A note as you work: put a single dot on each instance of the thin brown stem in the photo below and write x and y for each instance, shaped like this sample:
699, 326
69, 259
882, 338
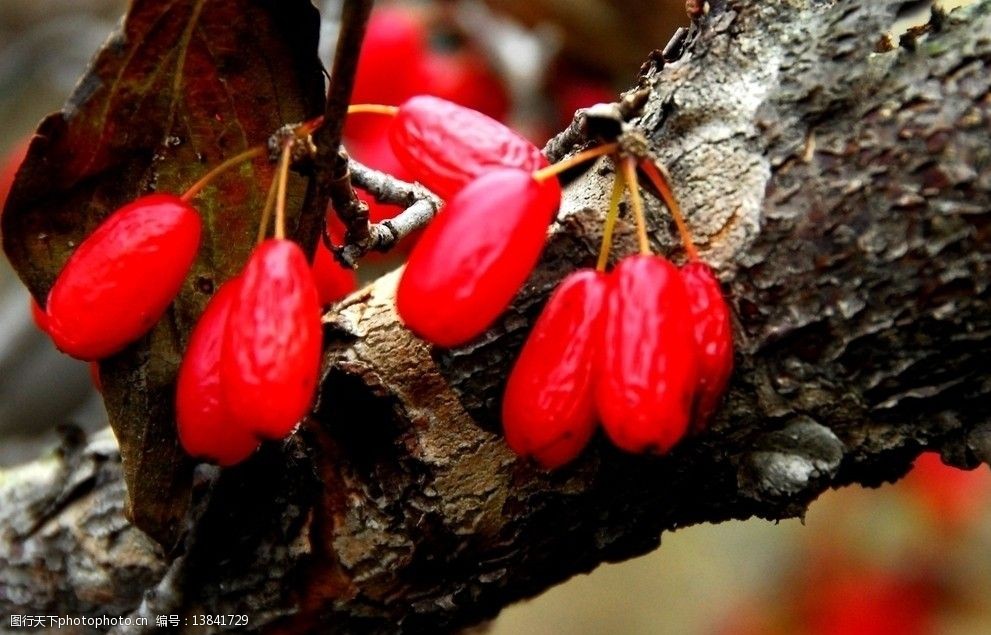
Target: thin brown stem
280, 197
629, 165
235, 160
618, 185
331, 178
658, 176
372, 109
577, 159
267, 210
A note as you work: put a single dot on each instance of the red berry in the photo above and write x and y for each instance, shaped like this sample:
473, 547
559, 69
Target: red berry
952, 497
573, 87
648, 368
866, 601
271, 350
713, 335
333, 280
473, 258
123, 277
8, 170
465, 78
389, 65
205, 426
445, 146
548, 411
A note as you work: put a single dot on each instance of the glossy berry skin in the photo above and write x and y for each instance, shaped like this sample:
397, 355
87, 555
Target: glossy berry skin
271, 350
473, 258
122, 277
394, 47
446, 146
464, 77
648, 368
334, 281
206, 429
713, 336
548, 409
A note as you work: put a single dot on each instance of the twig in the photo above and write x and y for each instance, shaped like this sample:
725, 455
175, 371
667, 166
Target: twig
387, 189
331, 163
562, 143
420, 203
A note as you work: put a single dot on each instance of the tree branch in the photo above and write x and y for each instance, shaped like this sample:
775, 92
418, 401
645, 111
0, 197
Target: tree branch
421, 205
845, 198
331, 179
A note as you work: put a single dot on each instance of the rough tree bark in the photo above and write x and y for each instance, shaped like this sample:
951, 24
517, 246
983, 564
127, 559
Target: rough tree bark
845, 196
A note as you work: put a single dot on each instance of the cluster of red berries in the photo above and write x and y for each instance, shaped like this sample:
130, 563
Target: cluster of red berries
646, 350
474, 256
251, 367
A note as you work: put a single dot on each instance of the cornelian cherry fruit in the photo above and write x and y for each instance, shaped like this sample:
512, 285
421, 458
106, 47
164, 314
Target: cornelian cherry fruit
648, 368
446, 146
270, 359
464, 77
9, 166
333, 280
713, 336
206, 428
395, 43
473, 258
548, 410
123, 276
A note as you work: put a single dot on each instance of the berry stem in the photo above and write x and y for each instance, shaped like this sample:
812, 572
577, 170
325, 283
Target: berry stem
280, 197
618, 185
659, 177
572, 161
308, 127
629, 165
267, 210
372, 109
247, 155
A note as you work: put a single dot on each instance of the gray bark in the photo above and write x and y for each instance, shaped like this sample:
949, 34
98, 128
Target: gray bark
845, 197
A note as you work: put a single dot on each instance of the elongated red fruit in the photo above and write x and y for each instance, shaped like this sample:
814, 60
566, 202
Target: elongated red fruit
333, 280
271, 351
713, 336
206, 428
123, 276
446, 146
648, 368
473, 258
548, 410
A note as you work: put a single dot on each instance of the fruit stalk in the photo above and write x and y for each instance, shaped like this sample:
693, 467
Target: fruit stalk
659, 178
618, 185
629, 167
